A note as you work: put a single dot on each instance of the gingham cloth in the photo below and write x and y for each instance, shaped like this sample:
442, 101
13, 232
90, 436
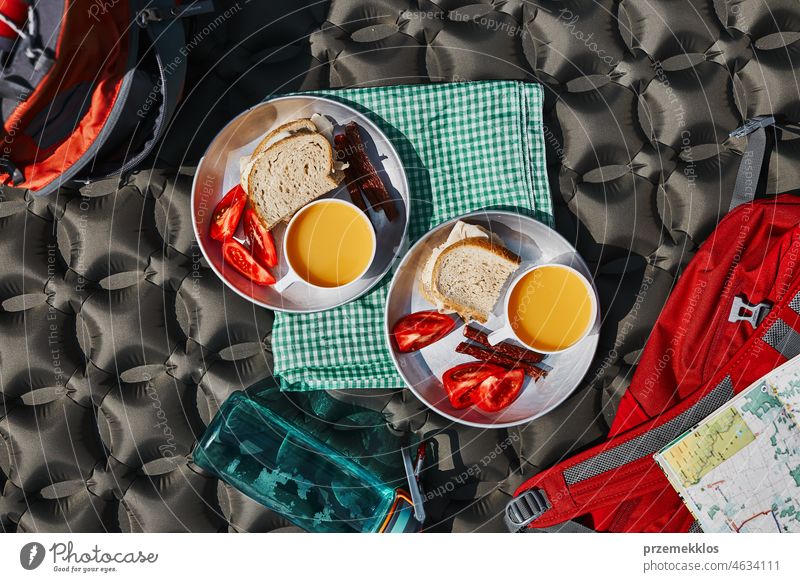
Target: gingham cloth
465, 147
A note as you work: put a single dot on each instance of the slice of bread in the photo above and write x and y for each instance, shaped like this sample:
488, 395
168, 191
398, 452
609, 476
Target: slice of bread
469, 275
460, 231
286, 129
290, 173
281, 132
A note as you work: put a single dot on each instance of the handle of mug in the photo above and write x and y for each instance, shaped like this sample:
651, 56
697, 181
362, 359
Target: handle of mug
284, 282
502, 334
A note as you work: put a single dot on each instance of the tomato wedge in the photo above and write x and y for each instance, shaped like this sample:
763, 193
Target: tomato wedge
262, 246
498, 391
227, 214
462, 381
238, 257
417, 330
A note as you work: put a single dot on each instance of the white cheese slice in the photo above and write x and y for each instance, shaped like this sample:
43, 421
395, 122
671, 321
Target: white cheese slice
324, 126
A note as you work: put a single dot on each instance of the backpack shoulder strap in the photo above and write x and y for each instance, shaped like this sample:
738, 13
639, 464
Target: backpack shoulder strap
161, 20
753, 157
159, 17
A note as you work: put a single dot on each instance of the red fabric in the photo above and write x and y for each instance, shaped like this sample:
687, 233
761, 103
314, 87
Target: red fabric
89, 49
17, 12
754, 253
685, 350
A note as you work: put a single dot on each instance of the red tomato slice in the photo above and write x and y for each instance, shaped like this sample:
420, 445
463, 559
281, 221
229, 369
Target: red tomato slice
498, 391
240, 259
417, 330
262, 246
462, 381
227, 214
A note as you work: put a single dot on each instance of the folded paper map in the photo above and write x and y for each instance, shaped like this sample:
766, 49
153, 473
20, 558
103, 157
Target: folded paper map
739, 469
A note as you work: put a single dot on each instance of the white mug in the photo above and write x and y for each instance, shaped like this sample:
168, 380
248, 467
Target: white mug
507, 332
291, 277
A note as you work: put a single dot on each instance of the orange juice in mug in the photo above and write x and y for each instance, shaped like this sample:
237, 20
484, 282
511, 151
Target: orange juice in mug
548, 308
328, 243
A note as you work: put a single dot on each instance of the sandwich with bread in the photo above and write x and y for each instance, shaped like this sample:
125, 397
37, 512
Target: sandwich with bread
466, 273
292, 166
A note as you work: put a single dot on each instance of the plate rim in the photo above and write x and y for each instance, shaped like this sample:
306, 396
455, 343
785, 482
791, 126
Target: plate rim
387, 329
403, 239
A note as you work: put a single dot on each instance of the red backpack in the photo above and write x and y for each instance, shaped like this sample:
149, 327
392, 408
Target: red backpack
87, 86
733, 317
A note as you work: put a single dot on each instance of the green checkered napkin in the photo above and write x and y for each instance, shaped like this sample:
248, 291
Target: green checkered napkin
465, 147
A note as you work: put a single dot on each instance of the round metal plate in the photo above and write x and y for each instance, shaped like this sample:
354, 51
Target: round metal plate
218, 172
536, 244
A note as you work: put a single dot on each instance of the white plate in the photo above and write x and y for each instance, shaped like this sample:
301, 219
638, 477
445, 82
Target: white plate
422, 371
218, 172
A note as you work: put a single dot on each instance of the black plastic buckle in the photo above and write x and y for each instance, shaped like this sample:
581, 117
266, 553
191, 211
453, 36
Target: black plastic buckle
155, 14
15, 175
523, 510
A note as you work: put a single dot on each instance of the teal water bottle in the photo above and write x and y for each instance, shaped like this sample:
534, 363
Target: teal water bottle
289, 470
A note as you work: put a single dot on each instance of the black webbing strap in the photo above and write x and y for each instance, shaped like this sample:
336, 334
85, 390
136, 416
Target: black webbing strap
14, 89
753, 157
566, 527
